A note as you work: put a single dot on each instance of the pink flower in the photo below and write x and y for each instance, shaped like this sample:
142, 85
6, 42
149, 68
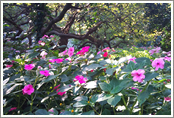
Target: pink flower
167, 58
49, 66
8, 66
156, 50
12, 61
56, 87
138, 75
60, 93
158, 63
83, 50
13, 108
28, 89
42, 43
135, 88
45, 36
98, 52
81, 79
29, 66
39, 67
51, 36
43, 53
105, 49
51, 110
105, 54
45, 72
39, 42
52, 60
71, 51
92, 70
59, 60
167, 99
132, 59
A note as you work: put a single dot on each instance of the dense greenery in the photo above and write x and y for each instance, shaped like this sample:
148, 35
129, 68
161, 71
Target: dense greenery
86, 59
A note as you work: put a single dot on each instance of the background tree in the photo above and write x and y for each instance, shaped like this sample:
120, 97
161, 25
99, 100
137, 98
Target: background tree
95, 24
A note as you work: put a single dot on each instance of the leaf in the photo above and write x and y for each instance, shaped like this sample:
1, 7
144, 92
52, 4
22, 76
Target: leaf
65, 113
55, 112
114, 100
33, 55
116, 89
80, 103
91, 84
11, 89
100, 97
103, 62
130, 67
80, 98
64, 78
41, 112
143, 96
106, 112
104, 86
110, 71
146, 61
88, 113
51, 77
91, 67
150, 76
114, 82
66, 88
62, 46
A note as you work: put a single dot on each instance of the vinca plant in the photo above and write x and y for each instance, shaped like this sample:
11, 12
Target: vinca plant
43, 81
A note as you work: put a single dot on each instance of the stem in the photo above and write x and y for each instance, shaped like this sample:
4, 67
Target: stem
124, 102
31, 102
142, 109
133, 106
95, 110
114, 111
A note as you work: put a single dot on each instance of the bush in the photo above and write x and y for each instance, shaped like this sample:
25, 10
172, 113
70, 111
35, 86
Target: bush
112, 82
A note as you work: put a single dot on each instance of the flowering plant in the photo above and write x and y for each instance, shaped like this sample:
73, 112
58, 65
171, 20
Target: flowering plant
83, 82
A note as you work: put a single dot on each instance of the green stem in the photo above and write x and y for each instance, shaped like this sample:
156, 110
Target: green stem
95, 110
133, 106
114, 110
142, 109
124, 102
31, 104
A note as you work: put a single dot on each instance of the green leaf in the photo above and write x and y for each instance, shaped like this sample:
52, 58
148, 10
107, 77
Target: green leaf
55, 112
33, 55
80, 98
51, 77
106, 112
88, 113
143, 96
64, 78
66, 88
91, 84
110, 71
130, 67
150, 76
41, 112
62, 46
80, 103
100, 97
116, 89
91, 67
104, 86
114, 82
146, 61
65, 113
114, 100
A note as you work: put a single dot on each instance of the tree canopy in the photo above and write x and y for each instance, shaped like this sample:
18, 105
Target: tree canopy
94, 24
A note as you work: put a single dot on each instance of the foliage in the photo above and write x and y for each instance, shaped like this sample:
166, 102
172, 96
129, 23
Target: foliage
109, 89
